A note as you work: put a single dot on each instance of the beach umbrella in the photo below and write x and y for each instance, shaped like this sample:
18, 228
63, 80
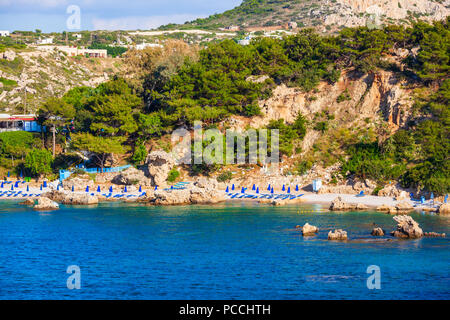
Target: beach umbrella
268, 188
289, 189
140, 188
45, 184
9, 174
2, 185
156, 188
87, 188
73, 189
228, 189
432, 196
446, 198
242, 190
296, 188
422, 199
254, 187
28, 188
21, 174
125, 189
12, 187
232, 187
40, 187
98, 189
16, 185
257, 190
271, 190
111, 189
57, 188
284, 188
171, 187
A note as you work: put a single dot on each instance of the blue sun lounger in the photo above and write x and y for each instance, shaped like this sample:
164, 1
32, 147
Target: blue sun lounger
361, 194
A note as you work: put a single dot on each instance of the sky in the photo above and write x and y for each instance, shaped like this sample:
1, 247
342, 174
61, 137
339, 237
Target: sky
52, 16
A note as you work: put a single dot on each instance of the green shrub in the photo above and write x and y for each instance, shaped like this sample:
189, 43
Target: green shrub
173, 175
225, 176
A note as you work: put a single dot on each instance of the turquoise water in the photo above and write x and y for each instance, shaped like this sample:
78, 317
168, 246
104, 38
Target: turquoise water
221, 252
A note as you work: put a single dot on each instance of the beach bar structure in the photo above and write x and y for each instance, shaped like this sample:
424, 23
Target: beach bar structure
27, 122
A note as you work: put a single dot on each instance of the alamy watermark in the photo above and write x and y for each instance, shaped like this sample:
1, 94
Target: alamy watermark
74, 280
374, 280
214, 147
73, 22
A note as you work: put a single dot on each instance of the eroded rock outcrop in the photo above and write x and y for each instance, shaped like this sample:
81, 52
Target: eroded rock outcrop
132, 176
70, 198
79, 183
159, 163
44, 203
337, 234
407, 228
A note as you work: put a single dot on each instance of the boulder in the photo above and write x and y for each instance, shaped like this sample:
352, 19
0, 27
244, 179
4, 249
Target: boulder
132, 176
377, 232
402, 196
338, 234
407, 228
338, 205
159, 163
193, 195
404, 207
28, 202
444, 209
45, 204
309, 230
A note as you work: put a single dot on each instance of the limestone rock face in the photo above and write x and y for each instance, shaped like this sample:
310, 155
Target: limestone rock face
80, 199
70, 198
28, 202
309, 230
377, 232
338, 234
206, 194
407, 228
404, 207
385, 208
45, 204
132, 176
159, 163
79, 183
444, 209
9, 55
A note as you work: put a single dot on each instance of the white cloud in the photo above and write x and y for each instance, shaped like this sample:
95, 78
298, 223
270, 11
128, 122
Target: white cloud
143, 23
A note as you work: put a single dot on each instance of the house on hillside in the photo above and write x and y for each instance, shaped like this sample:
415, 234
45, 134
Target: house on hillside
4, 33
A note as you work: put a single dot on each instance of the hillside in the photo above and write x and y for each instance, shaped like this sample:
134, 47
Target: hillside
326, 15
30, 76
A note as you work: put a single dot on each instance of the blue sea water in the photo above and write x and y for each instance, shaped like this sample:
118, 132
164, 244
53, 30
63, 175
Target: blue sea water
130, 251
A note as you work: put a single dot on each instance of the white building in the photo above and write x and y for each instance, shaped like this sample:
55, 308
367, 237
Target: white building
143, 45
4, 33
20, 122
45, 41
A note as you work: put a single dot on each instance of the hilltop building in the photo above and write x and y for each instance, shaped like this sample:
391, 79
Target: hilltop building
4, 33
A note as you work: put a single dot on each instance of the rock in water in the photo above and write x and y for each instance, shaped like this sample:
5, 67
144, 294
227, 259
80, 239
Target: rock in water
377, 232
434, 235
444, 209
159, 163
28, 202
45, 204
338, 234
339, 204
407, 228
309, 230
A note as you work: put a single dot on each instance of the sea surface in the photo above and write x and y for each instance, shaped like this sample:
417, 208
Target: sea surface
229, 251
